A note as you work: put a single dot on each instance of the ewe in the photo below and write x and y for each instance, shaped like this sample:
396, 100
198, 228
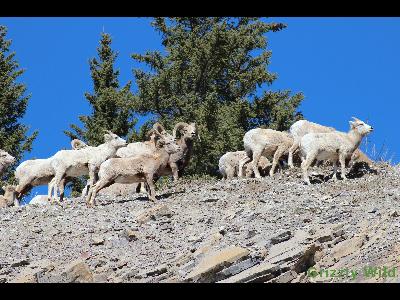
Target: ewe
332, 146
264, 142
6, 160
87, 160
35, 172
139, 168
301, 128
229, 164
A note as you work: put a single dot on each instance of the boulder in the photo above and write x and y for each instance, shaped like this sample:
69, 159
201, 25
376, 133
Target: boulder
212, 263
77, 271
259, 273
155, 212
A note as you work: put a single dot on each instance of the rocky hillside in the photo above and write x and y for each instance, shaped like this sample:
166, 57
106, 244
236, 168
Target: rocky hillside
252, 230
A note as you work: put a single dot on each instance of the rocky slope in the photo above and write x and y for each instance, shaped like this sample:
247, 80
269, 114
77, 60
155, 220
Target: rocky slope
252, 230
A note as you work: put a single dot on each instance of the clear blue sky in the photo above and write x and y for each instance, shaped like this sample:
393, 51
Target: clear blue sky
344, 66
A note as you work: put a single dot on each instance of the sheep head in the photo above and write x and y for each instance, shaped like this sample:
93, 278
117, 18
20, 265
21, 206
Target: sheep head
158, 127
186, 130
5, 160
360, 126
114, 140
165, 141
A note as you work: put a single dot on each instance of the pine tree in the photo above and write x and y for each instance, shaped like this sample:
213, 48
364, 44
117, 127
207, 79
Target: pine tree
13, 104
111, 105
214, 72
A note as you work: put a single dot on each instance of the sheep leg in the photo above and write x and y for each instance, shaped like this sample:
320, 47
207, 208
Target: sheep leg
342, 160
99, 185
242, 162
62, 188
92, 177
230, 172
256, 158
50, 189
277, 155
335, 167
306, 164
58, 178
291, 151
152, 190
248, 170
175, 169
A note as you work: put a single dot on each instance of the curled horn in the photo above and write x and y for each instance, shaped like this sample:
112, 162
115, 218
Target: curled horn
151, 131
158, 127
177, 127
197, 132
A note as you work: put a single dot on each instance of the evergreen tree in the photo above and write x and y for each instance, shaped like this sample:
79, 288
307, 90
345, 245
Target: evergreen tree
111, 109
213, 73
111, 105
13, 103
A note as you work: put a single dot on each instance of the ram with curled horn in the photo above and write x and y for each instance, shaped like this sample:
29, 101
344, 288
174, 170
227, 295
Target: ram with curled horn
158, 127
178, 127
179, 160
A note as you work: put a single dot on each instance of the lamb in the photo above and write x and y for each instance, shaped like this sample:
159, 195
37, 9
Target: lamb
332, 146
264, 142
301, 128
140, 168
229, 164
75, 163
6, 160
8, 199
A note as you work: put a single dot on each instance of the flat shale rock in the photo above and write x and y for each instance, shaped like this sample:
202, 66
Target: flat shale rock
272, 229
215, 262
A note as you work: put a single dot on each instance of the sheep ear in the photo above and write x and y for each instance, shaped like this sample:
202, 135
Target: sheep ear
3, 187
351, 124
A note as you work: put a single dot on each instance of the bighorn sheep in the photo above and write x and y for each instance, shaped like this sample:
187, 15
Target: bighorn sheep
178, 160
229, 164
301, 128
264, 142
135, 148
332, 146
5, 161
35, 172
87, 160
139, 168
8, 199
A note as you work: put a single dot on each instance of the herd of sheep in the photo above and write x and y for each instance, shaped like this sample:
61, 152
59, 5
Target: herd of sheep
164, 154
